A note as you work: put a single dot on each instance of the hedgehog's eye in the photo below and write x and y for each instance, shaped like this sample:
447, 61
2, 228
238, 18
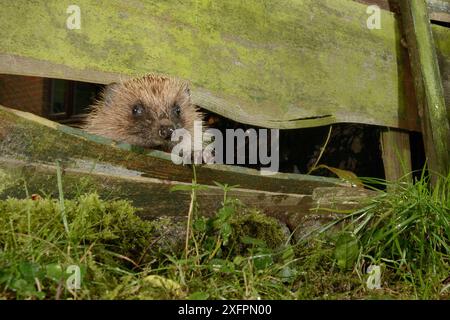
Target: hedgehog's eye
137, 110
176, 109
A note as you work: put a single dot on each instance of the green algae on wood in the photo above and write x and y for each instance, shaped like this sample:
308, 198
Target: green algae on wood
430, 93
442, 40
280, 64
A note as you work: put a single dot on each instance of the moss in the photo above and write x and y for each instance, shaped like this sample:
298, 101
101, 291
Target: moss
259, 226
442, 39
112, 224
146, 288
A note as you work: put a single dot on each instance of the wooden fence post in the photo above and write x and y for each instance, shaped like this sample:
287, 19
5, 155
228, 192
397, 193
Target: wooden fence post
428, 84
396, 155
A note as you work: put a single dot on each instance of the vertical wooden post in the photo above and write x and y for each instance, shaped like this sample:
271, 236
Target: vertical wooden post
396, 154
428, 84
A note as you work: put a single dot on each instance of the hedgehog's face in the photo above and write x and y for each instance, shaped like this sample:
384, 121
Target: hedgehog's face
152, 126
146, 111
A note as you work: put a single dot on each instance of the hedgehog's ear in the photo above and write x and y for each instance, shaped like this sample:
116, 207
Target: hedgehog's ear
109, 92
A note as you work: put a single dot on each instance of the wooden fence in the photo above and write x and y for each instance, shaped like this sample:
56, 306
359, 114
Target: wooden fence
277, 64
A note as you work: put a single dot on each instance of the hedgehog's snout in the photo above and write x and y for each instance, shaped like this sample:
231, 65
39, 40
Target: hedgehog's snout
165, 131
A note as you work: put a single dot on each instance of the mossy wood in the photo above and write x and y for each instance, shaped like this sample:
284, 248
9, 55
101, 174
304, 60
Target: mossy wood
31, 147
441, 37
433, 112
283, 64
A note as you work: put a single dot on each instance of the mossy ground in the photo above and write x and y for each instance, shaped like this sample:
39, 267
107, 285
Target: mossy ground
238, 253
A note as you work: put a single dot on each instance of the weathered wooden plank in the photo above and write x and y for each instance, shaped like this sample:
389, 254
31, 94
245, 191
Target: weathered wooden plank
283, 64
442, 40
154, 198
430, 94
31, 151
383, 4
439, 10
24, 136
396, 154
152, 195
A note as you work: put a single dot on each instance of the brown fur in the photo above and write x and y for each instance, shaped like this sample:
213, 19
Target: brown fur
112, 116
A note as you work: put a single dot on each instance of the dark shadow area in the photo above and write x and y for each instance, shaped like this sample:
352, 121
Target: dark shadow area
352, 147
441, 23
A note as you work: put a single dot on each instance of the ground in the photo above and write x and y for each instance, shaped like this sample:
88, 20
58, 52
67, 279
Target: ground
238, 253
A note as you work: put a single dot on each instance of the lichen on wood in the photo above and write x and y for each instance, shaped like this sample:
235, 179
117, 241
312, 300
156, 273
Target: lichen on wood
435, 120
277, 64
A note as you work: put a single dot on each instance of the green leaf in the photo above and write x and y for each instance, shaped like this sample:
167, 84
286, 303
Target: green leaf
225, 186
343, 174
347, 250
224, 215
54, 272
220, 185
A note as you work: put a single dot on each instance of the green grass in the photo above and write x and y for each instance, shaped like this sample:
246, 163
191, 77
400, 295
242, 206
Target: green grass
407, 231
237, 253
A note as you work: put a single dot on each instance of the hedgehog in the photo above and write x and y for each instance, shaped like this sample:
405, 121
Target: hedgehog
144, 111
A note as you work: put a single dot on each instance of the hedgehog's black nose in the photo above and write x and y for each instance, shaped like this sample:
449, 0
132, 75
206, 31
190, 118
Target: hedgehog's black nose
165, 132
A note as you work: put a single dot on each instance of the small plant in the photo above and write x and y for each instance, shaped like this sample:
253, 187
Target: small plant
240, 248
